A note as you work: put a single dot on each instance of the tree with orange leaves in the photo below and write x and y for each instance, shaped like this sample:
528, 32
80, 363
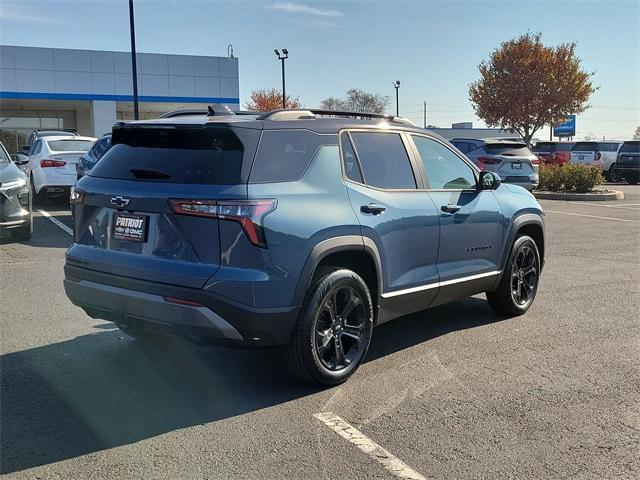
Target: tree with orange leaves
268, 99
526, 85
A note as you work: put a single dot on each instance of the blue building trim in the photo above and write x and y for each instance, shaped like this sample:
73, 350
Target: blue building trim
116, 98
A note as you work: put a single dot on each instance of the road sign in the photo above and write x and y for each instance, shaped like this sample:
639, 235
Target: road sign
566, 127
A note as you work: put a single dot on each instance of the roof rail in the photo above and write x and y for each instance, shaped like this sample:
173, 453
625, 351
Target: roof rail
210, 111
308, 113
183, 113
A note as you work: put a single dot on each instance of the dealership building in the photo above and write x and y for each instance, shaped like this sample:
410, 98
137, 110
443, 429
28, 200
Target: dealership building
89, 90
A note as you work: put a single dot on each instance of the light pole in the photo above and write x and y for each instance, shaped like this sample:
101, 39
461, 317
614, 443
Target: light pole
396, 85
134, 69
282, 58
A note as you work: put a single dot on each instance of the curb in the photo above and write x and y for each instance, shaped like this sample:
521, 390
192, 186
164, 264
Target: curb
598, 196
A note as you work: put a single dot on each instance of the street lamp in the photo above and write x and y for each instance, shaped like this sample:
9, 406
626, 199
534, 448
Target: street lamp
282, 58
134, 69
396, 85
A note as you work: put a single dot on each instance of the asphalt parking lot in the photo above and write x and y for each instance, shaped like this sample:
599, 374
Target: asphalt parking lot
453, 392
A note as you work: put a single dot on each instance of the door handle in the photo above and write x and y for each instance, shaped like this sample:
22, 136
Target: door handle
372, 208
450, 208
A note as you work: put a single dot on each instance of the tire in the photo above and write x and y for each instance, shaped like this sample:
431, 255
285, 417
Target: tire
519, 283
334, 330
611, 175
35, 196
24, 232
632, 179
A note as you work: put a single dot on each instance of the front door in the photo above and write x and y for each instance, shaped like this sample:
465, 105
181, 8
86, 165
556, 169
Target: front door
471, 222
401, 220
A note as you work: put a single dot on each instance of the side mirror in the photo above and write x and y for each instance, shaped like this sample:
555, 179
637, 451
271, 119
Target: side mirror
20, 159
489, 181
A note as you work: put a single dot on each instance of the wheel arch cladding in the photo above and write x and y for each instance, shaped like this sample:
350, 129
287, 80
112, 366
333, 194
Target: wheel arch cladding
530, 224
351, 252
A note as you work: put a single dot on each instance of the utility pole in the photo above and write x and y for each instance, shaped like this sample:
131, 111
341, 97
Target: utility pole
396, 85
425, 114
282, 58
134, 69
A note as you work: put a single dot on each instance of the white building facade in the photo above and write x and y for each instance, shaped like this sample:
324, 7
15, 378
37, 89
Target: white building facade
88, 90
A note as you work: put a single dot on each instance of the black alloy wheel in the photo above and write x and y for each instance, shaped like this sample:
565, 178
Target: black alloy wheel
339, 328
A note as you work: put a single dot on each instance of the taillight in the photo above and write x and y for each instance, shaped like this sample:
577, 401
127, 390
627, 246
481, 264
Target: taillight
52, 163
248, 213
489, 161
535, 161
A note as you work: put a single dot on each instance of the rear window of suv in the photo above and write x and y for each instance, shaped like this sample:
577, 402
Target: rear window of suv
509, 149
192, 155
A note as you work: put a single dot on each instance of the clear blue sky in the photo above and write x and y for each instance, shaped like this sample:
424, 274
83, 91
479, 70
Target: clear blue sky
432, 47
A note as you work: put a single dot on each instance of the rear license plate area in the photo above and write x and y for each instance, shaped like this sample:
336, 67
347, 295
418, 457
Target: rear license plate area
130, 227
516, 166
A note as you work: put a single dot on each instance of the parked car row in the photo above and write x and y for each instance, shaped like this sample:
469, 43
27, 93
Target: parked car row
511, 159
617, 159
50, 159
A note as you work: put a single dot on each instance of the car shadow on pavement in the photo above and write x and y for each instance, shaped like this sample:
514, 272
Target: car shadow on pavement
422, 326
103, 390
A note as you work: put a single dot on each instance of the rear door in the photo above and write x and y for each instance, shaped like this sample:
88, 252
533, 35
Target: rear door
400, 219
128, 222
471, 221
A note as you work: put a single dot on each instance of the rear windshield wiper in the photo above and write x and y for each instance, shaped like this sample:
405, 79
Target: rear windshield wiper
148, 173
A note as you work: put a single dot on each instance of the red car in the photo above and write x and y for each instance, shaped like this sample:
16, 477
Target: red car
557, 153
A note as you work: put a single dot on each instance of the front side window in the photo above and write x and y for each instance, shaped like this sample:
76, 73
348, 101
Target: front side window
384, 160
444, 169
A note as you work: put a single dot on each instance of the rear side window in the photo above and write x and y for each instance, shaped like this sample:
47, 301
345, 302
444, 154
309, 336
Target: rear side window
608, 147
201, 155
384, 160
512, 150
284, 155
351, 167
564, 146
464, 147
585, 147
544, 147
630, 147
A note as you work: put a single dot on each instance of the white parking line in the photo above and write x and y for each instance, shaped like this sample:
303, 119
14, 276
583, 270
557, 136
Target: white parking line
592, 216
368, 446
56, 222
625, 206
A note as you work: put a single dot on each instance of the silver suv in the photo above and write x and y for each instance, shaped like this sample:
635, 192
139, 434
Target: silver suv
511, 159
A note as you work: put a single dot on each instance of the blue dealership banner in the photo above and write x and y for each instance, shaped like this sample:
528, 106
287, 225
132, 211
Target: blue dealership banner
566, 127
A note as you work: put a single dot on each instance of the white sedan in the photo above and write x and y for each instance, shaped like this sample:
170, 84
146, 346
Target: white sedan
53, 160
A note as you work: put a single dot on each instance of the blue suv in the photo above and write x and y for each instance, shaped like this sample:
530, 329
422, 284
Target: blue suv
297, 228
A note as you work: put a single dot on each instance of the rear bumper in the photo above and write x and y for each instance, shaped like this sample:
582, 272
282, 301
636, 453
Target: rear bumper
128, 301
